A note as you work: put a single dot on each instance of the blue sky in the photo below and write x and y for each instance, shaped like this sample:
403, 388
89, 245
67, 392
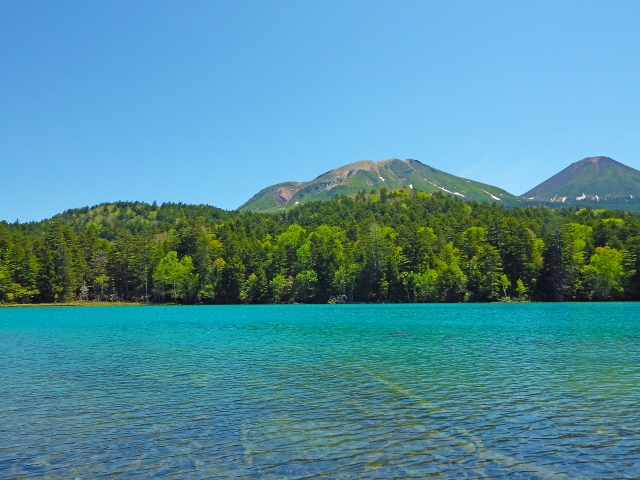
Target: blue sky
208, 102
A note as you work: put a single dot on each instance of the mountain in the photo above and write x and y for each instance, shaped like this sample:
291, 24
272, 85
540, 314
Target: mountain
593, 179
367, 175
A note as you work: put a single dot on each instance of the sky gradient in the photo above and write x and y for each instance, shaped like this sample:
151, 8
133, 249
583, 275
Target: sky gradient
208, 102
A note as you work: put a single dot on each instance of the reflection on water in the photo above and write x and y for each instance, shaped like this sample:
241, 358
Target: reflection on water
352, 391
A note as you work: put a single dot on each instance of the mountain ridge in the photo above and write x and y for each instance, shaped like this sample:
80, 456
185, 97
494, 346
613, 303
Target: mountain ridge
366, 175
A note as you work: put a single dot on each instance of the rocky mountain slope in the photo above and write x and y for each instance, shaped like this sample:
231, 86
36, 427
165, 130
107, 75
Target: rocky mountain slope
368, 175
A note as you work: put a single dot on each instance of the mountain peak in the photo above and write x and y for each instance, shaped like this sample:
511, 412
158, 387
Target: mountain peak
367, 175
594, 159
592, 178
597, 161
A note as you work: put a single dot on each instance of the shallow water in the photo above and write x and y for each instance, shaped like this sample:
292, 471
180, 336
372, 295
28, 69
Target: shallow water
354, 391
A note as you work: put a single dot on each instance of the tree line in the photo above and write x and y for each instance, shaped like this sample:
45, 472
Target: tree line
400, 246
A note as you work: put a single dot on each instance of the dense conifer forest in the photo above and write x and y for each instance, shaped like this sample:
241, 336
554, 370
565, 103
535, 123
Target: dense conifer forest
377, 247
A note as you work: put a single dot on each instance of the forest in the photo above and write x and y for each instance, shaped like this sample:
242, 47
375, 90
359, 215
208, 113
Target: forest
381, 246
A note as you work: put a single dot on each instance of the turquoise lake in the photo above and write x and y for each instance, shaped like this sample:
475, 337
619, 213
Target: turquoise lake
351, 391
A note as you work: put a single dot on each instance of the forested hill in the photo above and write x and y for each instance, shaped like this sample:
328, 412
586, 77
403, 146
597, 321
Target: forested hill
393, 247
109, 219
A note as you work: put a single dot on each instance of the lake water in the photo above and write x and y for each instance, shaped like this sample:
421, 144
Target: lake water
353, 391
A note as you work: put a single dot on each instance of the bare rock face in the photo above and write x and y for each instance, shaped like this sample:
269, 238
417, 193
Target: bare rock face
284, 195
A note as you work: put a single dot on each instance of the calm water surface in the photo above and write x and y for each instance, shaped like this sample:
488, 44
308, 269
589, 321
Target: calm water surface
358, 391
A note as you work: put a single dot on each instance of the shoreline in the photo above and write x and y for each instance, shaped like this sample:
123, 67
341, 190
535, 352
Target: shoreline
140, 304
75, 304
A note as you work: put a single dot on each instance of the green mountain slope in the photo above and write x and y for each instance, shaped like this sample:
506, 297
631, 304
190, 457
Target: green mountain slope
593, 179
367, 175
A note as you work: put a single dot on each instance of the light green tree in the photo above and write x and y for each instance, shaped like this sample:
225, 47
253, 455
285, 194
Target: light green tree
504, 283
212, 279
451, 280
280, 287
6, 285
289, 243
605, 273
254, 288
304, 285
176, 277
425, 286
344, 279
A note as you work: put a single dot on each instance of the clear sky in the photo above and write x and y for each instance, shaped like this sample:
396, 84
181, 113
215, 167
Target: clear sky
208, 102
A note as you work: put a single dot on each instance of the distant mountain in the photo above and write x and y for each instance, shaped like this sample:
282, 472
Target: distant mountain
367, 175
593, 179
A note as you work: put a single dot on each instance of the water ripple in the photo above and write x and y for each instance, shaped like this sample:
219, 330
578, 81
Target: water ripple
367, 391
